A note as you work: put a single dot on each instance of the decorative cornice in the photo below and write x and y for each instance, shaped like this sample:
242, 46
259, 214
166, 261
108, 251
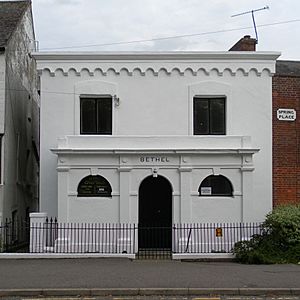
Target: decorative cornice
142, 56
153, 151
156, 63
93, 144
247, 169
63, 169
152, 71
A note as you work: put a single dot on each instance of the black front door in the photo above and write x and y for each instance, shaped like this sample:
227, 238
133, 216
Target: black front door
155, 213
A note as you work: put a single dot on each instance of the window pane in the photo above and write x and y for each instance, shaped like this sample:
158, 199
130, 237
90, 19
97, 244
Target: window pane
104, 116
218, 184
94, 186
201, 116
88, 116
217, 116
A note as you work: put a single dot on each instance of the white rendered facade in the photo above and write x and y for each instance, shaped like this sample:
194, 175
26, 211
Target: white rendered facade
152, 133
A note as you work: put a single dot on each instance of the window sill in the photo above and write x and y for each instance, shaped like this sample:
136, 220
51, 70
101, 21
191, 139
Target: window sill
216, 196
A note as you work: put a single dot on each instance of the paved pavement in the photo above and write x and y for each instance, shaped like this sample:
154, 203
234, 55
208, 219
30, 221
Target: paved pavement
159, 298
99, 277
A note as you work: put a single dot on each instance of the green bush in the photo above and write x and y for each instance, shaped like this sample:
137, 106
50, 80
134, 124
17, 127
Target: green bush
279, 241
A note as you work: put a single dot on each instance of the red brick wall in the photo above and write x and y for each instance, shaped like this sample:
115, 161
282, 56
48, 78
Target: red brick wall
286, 141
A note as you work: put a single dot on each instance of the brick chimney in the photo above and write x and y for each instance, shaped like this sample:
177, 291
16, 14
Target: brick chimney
244, 44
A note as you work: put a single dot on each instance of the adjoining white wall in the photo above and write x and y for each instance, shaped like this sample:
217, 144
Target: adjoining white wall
20, 122
156, 94
2, 121
2, 91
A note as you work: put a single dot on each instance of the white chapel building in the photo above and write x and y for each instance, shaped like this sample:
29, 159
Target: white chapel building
166, 137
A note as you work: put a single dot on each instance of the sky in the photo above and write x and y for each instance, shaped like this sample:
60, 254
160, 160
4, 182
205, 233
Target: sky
78, 24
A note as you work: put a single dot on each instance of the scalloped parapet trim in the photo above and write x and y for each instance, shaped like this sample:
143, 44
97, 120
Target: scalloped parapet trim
154, 71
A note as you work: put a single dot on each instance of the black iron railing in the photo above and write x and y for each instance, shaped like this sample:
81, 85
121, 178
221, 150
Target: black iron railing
211, 237
146, 241
54, 237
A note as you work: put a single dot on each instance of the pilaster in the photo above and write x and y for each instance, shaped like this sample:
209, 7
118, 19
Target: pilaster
185, 199
124, 206
247, 189
63, 201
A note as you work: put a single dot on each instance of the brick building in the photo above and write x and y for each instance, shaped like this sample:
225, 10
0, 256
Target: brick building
286, 134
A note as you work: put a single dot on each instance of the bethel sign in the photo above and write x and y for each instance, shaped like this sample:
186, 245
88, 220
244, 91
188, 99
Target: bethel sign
160, 159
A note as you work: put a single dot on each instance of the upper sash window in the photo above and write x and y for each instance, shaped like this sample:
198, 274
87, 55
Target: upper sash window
96, 115
209, 116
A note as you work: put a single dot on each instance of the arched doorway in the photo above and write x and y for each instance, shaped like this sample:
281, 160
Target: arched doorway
155, 213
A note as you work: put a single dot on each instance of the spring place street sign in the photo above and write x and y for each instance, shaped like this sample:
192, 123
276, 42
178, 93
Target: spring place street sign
286, 114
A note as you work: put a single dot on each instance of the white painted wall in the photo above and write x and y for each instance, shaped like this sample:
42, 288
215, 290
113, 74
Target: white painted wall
156, 93
189, 161
2, 118
2, 91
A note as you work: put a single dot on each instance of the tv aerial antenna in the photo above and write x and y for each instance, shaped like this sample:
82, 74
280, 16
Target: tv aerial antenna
253, 18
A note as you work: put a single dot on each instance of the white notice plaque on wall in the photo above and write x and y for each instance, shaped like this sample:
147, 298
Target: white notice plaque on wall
206, 190
286, 114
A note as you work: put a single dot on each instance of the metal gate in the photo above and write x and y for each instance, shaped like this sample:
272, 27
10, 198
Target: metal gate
155, 241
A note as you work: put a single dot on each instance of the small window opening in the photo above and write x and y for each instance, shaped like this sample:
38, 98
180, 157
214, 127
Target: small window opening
209, 116
94, 186
215, 185
96, 115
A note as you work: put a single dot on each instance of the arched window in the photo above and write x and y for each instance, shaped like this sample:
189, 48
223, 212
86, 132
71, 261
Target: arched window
215, 185
94, 186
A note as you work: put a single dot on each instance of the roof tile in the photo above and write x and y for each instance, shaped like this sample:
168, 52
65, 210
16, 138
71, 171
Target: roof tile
10, 14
